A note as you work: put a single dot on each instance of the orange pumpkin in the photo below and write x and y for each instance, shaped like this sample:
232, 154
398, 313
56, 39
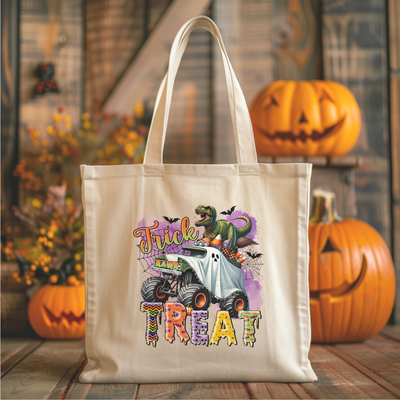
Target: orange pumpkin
305, 118
58, 311
352, 278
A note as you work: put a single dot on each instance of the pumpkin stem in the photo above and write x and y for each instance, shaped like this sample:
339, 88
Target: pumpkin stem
324, 207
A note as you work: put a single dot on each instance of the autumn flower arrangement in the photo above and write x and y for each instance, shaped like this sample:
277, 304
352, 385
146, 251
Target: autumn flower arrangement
45, 234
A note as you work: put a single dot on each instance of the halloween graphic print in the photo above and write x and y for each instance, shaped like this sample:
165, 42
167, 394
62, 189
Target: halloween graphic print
204, 273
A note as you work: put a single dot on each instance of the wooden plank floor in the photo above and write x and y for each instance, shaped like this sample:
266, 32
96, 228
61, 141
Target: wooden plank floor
47, 369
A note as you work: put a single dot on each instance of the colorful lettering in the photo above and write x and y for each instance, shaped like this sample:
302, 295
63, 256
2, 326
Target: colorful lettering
137, 233
250, 319
175, 314
198, 326
151, 310
188, 232
223, 329
167, 264
146, 245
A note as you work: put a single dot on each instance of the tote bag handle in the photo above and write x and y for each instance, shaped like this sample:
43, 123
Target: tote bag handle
244, 139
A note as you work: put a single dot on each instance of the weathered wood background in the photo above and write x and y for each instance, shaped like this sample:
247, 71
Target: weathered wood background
9, 101
50, 369
341, 40
394, 76
43, 27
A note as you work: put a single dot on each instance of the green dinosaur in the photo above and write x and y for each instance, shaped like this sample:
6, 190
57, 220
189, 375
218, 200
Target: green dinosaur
228, 231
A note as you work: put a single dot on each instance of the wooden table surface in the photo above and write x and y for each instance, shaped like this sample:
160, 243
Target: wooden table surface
48, 369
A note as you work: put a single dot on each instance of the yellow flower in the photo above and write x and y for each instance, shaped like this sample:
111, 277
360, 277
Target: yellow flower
54, 116
45, 269
133, 135
130, 122
50, 235
78, 267
33, 267
72, 280
44, 142
120, 140
85, 116
61, 133
139, 110
77, 257
50, 244
50, 129
69, 201
68, 126
53, 278
36, 133
130, 149
37, 204
53, 227
67, 118
50, 157
87, 125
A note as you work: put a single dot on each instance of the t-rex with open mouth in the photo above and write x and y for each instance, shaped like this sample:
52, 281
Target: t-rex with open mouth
228, 231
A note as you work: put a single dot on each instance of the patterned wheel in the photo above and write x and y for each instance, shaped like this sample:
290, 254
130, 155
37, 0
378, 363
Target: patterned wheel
234, 303
151, 290
195, 296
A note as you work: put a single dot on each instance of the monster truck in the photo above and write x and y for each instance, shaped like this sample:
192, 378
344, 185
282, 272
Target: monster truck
198, 276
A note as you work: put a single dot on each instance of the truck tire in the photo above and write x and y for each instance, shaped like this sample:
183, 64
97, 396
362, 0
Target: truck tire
150, 290
234, 303
195, 296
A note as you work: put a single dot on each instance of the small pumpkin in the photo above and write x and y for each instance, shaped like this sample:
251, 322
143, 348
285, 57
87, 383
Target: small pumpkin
58, 311
305, 118
352, 277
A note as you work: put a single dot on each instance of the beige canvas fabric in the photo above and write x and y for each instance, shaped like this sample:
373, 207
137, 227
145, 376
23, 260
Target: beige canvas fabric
132, 340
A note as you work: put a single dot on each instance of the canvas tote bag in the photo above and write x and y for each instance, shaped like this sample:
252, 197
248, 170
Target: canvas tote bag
197, 273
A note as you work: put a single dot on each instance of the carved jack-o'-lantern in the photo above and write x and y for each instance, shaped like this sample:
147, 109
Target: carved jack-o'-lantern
305, 118
352, 281
58, 312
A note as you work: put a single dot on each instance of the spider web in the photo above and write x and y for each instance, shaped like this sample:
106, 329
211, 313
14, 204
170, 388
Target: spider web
252, 269
147, 260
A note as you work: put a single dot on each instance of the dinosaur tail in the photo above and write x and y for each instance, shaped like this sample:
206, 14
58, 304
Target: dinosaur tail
244, 242
240, 232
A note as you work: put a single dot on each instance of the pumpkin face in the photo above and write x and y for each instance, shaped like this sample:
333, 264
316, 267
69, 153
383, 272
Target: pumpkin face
305, 118
58, 312
352, 280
